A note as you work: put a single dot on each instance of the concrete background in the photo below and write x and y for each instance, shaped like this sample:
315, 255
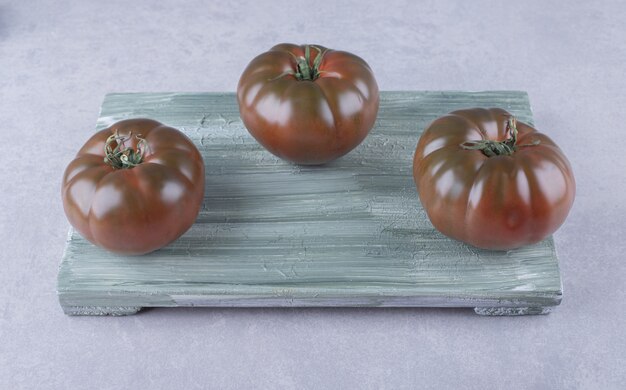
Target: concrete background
59, 58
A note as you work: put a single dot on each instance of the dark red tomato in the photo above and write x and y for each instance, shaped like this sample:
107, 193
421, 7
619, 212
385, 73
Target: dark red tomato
308, 104
134, 187
490, 181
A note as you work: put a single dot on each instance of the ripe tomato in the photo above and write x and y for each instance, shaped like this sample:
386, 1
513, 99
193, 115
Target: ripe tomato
490, 181
134, 187
308, 104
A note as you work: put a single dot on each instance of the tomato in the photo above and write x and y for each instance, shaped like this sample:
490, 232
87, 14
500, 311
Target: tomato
490, 181
144, 194
308, 104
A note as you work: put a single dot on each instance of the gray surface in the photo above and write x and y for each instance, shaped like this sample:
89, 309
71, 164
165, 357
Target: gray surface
58, 59
350, 233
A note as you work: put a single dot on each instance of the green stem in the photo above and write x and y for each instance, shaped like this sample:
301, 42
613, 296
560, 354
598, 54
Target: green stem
305, 70
121, 157
492, 148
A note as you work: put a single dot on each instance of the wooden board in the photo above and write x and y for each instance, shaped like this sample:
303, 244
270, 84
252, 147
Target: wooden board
351, 233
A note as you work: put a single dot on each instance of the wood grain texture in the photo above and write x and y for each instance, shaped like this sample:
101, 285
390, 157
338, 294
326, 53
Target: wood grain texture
350, 233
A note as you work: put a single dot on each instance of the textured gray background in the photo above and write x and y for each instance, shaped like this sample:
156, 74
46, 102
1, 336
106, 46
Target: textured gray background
58, 59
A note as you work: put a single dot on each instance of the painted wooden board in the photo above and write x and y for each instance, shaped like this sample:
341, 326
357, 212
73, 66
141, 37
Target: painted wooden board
351, 233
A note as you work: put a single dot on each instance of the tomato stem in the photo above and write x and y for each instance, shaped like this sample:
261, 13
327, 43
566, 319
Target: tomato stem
491, 148
305, 71
122, 157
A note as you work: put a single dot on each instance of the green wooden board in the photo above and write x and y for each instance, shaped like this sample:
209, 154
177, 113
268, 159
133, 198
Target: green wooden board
351, 233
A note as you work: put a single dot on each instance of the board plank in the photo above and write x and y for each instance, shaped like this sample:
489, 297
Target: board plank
270, 233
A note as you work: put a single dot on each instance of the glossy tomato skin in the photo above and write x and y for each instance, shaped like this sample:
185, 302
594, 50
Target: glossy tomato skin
140, 209
308, 121
501, 202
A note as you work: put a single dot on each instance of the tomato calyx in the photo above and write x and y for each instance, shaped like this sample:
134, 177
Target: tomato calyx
305, 71
491, 148
122, 157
